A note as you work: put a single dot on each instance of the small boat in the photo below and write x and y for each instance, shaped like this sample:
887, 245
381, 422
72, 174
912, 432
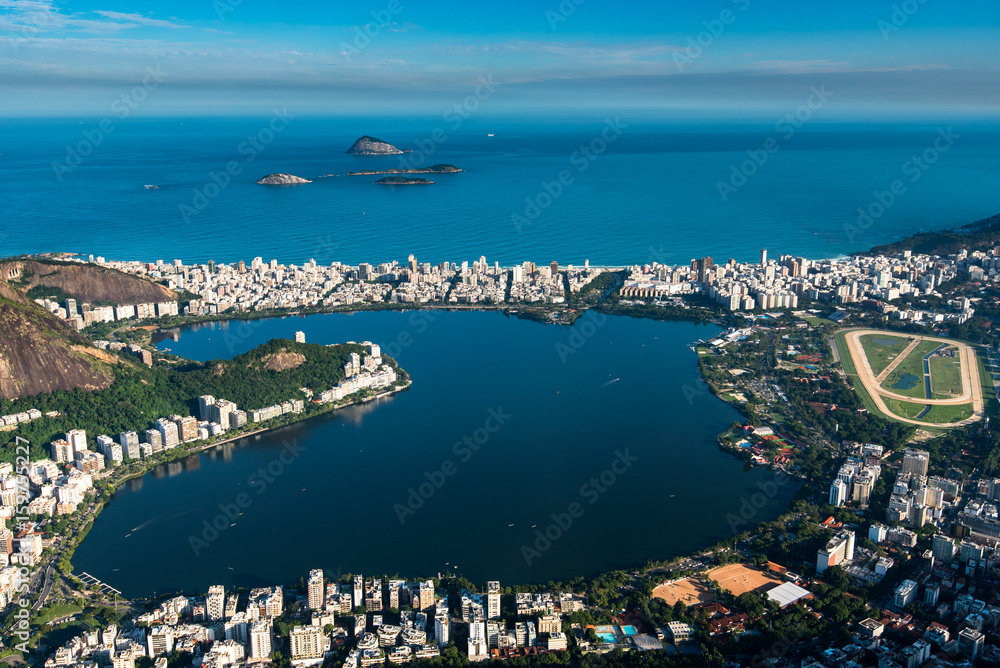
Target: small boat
510, 525
490, 135
151, 187
233, 524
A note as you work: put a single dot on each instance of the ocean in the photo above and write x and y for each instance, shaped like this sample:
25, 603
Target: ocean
614, 194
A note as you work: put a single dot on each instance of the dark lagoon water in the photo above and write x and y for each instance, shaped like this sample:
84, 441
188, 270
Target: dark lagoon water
629, 392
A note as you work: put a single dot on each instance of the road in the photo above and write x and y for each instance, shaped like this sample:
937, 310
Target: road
971, 388
46, 589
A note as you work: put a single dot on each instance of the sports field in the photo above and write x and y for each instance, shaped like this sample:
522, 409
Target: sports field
910, 368
688, 591
882, 349
740, 578
888, 372
946, 375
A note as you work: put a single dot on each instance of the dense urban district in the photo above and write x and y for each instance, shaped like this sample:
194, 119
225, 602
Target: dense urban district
869, 382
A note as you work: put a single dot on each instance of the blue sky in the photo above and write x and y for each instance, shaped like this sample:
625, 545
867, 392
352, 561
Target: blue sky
883, 60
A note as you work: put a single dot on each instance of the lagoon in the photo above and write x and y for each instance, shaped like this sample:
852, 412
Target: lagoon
601, 435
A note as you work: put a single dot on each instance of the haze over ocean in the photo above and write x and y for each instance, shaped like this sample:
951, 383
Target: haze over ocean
652, 195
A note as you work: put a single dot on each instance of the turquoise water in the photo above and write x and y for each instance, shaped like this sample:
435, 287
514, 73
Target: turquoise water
652, 196
334, 506
629, 630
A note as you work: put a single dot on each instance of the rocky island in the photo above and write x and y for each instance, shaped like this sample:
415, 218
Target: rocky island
372, 146
402, 181
433, 169
282, 180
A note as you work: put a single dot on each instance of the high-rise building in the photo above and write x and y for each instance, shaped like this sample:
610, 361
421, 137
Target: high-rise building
154, 439
838, 493
129, 441
187, 428
315, 586
359, 590
204, 406
77, 438
838, 550
493, 600
160, 640
307, 642
61, 451
168, 433
763, 256
862, 489
702, 267
260, 640
442, 629
970, 643
915, 462
215, 603
906, 593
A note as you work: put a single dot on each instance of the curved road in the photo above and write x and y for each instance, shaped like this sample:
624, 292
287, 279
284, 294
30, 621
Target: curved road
971, 388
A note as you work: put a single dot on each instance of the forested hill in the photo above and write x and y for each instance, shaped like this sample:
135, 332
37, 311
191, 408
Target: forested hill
981, 235
271, 373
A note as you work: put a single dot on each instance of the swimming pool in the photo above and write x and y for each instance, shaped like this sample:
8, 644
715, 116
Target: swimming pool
628, 630
607, 637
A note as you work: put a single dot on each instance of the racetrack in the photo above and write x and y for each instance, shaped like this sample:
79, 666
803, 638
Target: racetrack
971, 388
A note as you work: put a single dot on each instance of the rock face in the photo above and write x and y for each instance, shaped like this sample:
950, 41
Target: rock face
371, 146
403, 181
282, 180
85, 282
39, 353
